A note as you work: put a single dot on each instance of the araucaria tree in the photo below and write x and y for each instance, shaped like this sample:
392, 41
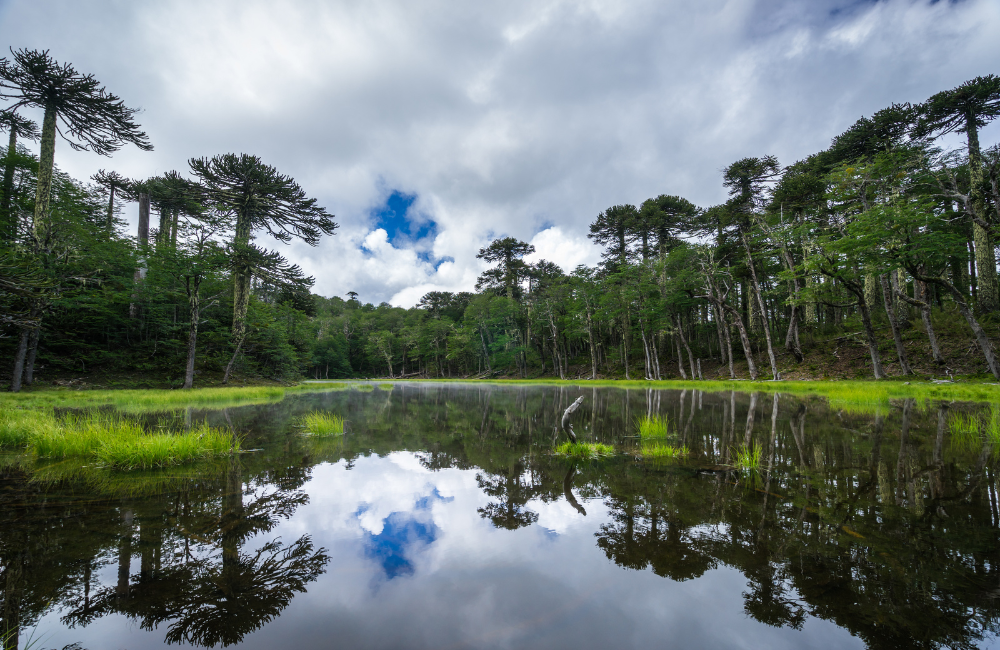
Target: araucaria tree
18, 128
79, 109
967, 109
258, 198
76, 106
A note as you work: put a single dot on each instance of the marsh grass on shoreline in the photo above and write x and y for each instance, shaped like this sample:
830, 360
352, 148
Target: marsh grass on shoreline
114, 441
847, 390
321, 423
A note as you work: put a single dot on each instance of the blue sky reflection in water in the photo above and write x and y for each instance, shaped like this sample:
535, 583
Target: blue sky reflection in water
443, 521
411, 572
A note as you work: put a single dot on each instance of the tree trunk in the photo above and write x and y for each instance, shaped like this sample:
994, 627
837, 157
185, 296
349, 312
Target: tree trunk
984, 342
745, 340
232, 362
891, 312
763, 310
29, 364
46, 161
110, 225
143, 241
194, 299
22, 352
680, 332
870, 336
680, 357
9, 225
925, 316
986, 265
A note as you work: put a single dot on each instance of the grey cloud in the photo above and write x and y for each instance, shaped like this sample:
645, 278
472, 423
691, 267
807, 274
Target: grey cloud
502, 117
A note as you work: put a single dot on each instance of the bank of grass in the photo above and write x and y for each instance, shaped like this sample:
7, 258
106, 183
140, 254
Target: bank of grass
847, 390
145, 400
112, 441
584, 450
321, 423
656, 426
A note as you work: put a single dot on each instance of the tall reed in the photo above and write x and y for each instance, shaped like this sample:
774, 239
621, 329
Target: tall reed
656, 426
320, 423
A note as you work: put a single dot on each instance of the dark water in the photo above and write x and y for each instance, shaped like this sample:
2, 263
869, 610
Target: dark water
442, 520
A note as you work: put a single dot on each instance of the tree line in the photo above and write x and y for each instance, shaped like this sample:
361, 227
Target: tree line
877, 240
880, 230
72, 277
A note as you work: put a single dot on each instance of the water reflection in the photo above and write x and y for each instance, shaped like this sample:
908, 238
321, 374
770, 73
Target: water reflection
881, 522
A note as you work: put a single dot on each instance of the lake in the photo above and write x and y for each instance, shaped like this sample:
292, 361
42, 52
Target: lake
443, 519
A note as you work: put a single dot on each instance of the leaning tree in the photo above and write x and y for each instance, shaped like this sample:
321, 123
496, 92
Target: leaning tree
258, 198
18, 127
79, 109
967, 109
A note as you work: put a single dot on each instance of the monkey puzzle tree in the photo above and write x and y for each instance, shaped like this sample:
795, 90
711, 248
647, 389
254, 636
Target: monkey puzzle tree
747, 181
258, 198
613, 230
966, 109
18, 127
114, 183
511, 269
76, 107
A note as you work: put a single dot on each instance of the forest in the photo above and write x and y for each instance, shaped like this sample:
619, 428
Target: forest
875, 257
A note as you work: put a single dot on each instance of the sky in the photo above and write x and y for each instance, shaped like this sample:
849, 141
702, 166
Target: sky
428, 128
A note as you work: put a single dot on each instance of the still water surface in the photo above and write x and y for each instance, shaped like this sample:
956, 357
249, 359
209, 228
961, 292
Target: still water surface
443, 520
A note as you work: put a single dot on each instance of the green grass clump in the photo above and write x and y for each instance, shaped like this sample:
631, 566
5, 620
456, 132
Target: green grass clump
660, 451
656, 426
584, 450
747, 458
319, 423
18, 427
388, 387
164, 449
114, 441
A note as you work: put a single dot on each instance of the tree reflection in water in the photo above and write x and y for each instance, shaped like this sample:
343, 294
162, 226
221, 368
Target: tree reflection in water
882, 522
220, 593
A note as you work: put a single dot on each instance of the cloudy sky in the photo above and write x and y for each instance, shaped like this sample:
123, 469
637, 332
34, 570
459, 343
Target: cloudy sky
430, 127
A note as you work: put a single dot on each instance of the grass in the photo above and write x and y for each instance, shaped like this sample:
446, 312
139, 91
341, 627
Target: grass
660, 451
848, 390
656, 426
320, 423
746, 458
859, 399
584, 450
113, 441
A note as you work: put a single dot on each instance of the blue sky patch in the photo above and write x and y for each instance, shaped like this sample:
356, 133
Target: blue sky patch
394, 546
401, 223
